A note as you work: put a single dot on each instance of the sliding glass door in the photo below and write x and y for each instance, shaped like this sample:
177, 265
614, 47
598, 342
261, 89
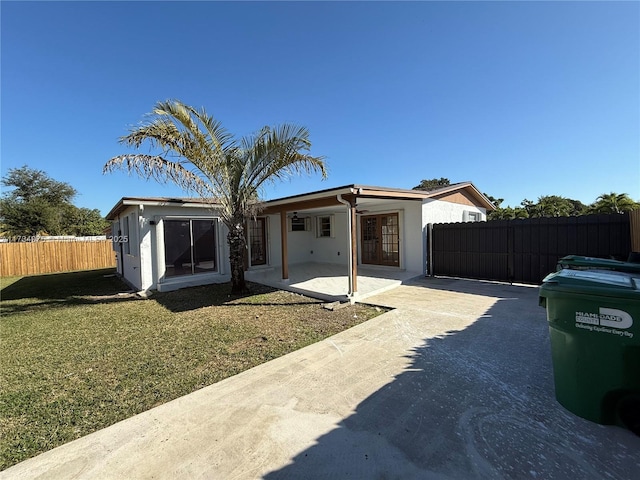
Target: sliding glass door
189, 247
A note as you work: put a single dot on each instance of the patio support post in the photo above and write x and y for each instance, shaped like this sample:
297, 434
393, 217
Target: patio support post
353, 244
283, 243
354, 247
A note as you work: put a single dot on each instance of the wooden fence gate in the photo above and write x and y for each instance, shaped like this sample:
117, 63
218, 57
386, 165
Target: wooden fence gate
526, 250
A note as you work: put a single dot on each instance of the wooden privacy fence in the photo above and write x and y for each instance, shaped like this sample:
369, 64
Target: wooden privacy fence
526, 250
32, 258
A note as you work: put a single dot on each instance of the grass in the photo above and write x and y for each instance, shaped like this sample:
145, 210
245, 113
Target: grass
78, 354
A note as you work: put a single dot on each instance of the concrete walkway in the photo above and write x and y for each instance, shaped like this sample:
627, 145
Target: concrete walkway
454, 383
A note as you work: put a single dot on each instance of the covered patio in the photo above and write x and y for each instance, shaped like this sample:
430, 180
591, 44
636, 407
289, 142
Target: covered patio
330, 282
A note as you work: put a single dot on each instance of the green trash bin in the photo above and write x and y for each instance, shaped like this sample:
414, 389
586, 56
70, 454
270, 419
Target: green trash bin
594, 326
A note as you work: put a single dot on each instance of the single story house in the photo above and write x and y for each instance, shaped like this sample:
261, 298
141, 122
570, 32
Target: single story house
168, 243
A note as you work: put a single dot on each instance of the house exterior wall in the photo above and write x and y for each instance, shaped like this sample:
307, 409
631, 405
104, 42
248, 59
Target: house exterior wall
144, 266
125, 231
274, 245
414, 254
300, 245
438, 211
334, 249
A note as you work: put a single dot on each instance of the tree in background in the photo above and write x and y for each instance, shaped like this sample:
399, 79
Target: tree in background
40, 205
614, 203
547, 205
494, 200
432, 184
197, 154
557, 206
552, 206
507, 213
85, 222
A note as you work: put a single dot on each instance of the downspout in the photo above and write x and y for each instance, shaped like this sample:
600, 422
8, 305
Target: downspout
350, 256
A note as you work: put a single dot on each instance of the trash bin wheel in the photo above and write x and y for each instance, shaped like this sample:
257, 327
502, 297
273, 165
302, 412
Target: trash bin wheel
629, 412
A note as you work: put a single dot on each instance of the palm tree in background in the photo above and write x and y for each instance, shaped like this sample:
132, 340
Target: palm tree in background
200, 156
614, 203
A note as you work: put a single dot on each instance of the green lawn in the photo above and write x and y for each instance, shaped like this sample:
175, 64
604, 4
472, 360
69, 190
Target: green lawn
78, 354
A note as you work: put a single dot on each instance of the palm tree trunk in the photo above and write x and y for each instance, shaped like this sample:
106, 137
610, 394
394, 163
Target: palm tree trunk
237, 246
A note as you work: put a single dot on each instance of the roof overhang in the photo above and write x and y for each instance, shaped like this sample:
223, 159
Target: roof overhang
127, 202
328, 198
467, 187
319, 199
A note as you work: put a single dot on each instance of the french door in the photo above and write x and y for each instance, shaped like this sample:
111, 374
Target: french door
381, 239
258, 241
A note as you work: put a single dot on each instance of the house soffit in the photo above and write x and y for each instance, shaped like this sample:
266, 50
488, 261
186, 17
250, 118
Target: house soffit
331, 203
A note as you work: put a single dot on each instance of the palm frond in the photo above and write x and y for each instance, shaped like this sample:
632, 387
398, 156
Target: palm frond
210, 142
232, 171
162, 170
276, 154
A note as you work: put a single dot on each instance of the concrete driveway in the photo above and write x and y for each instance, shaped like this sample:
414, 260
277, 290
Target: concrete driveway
454, 383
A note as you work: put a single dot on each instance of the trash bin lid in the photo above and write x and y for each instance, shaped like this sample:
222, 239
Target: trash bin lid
581, 262
594, 282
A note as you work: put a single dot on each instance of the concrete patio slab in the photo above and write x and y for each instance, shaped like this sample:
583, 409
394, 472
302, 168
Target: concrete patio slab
330, 282
456, 382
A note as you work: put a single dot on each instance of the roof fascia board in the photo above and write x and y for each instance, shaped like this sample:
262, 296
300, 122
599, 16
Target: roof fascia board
305, 197
125, 202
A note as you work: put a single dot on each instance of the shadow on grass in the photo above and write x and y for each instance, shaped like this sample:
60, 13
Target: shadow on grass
58, 286
218, 295
63, 289
104, 286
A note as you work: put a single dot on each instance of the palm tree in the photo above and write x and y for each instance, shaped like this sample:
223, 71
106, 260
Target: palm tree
200, 156
614, 203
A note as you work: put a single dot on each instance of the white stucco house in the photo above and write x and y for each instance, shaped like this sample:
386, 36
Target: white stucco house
168, 243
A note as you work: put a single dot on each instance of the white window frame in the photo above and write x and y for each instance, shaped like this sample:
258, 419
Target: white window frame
300, 220
470, 216
319, 229
160, 251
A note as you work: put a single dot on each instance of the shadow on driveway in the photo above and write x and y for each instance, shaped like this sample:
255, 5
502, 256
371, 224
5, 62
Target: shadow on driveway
474, 403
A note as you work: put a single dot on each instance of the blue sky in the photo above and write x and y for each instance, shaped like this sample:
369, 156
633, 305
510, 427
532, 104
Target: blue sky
522, 98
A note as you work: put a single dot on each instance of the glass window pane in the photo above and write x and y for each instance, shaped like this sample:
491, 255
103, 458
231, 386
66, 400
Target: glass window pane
257, 234
370, 239
177, 248
204, 241
324, 226
298, 224
390, 240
